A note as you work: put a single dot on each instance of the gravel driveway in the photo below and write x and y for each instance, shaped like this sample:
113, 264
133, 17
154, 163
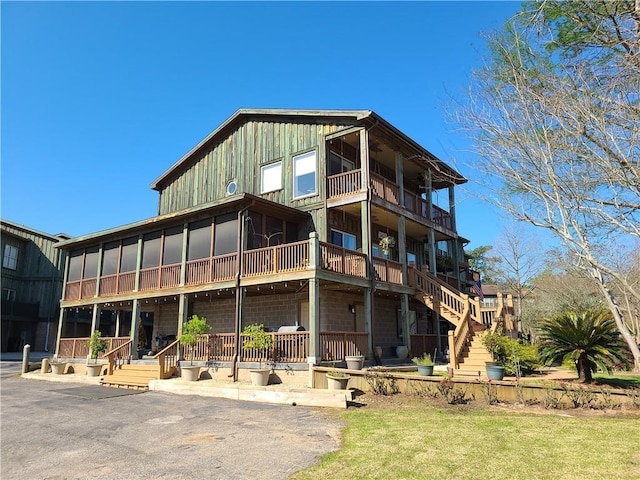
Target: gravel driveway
53, 431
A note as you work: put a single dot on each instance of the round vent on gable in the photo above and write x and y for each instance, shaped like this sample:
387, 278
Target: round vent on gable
232, 187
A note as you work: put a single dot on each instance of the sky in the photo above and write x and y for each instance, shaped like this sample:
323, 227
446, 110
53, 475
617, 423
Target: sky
100, 98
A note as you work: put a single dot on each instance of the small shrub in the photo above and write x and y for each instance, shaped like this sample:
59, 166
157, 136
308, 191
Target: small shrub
552, 399
382, 383
489, 392
634, 395
421, 389
452, 394
579, 396
606, 400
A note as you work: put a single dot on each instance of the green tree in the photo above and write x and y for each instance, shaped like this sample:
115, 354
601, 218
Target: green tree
191, 330
554, 115
590, 339
481, 261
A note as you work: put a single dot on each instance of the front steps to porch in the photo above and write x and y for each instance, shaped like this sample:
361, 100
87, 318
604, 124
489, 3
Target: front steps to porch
134, 375
474, 357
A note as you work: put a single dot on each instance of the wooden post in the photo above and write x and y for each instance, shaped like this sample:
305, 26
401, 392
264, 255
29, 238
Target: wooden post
183, 312
135, 313
314, 354
61, 318
400, 178
453, 358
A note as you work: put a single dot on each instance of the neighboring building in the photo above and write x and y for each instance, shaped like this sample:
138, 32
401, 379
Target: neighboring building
32, 272
324, 219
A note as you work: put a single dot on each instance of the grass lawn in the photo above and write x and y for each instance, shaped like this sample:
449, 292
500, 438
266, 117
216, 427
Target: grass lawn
409, 439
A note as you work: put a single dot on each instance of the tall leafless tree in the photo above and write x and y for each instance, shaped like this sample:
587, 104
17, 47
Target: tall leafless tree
554, 114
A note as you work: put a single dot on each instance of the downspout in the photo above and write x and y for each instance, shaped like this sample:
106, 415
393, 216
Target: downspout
234, 362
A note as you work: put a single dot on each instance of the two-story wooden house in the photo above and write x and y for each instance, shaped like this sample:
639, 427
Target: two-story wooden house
333, 221
32, 272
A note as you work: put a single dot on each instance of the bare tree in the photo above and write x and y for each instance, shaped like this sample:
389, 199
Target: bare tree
554, 114
520, 260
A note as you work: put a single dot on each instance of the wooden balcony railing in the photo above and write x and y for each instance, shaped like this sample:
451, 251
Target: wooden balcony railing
341, 260
388, 270
385, 189
288, 257
343, 184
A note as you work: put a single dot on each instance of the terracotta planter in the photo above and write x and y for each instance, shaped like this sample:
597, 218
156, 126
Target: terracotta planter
354, 362
337, 383
260, 377
190, 373
94, 370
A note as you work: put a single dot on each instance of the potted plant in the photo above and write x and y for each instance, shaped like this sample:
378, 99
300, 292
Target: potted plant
337, 380
354, 362
97, 346
57, 367
191, 330
496, 344
255, 338
424, 363
402, 351
387, 243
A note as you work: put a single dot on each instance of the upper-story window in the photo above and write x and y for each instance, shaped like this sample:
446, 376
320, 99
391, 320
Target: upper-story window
339, 164
8, 294
343, 239
271, 176
304, 174
412, 260
10, 258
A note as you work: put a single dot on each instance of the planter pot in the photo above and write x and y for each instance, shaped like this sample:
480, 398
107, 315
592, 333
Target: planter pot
354, 362
402, 351
260, 377
495, 372
94, 370
378, 350
425, 370
337, 383
190, 373
57, 368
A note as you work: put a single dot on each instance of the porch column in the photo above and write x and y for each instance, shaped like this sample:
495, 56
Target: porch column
314, 355
456, 263
99, 270
183, 267
135, 314
138, 267
61, 318
402, 248
95, 318
364, 161
367, 247
452, 207
404, 318
117, 332
400, 177
368, 318
183, 312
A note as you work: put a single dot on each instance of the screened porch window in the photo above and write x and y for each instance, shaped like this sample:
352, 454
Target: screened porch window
304, 174
343, 239
199, 240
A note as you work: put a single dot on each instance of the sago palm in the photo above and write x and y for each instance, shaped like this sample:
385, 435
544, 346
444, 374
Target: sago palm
590, 339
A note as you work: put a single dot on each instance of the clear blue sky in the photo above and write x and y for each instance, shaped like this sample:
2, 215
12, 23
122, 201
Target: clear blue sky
99, 99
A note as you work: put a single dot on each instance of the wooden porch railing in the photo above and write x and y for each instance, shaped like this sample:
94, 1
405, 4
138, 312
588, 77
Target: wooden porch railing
341, 260
336, 345
79, 347
385, 189
387, 270
118, 355
168, 359
342, 184
73, 347
288, 257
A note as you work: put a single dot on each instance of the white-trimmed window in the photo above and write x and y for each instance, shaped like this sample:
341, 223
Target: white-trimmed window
10, 258
377, 252
304, 174
271, 177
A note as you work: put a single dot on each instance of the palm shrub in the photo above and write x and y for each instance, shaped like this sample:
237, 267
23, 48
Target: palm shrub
590, 339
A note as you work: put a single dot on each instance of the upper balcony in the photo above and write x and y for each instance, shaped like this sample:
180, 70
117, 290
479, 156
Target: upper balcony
297, 260
345, 187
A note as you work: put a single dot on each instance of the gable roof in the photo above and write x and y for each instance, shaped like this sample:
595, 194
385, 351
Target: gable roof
366, 117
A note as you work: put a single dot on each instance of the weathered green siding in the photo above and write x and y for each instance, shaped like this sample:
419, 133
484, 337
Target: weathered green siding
239, 157
38, 278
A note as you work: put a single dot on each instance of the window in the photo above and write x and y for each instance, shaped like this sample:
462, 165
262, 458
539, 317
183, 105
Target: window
151, 250
343, 239
90, 263
110, 258
226, 234
377, 252
8, 294
10, 259
339, 164
304, 174
129, 257
172, 248
199, 240
271, 177
412, 260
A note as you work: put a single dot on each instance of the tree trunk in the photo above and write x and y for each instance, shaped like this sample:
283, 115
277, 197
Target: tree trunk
584, 368
615, 310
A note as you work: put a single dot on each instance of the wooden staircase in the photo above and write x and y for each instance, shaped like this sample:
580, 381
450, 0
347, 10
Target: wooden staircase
136, 376
466, 352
